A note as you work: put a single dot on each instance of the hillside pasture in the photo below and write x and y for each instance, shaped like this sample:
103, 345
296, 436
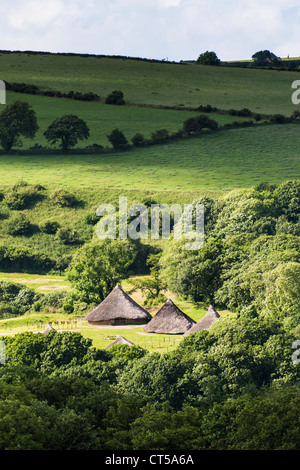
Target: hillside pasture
102, 118
155, 83
217, 161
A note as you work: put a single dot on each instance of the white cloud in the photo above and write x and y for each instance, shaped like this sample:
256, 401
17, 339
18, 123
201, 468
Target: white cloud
35, 13
177, 29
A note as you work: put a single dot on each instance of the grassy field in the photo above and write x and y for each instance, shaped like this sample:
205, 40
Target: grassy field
40, 283
264, 91
102, 118
218, 161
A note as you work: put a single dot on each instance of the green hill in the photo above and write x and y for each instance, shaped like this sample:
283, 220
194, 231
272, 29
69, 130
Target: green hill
154, 83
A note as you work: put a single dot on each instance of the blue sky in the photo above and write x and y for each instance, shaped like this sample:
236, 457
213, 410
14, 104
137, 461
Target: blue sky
159, 29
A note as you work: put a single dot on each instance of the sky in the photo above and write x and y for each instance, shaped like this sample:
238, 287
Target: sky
155, 29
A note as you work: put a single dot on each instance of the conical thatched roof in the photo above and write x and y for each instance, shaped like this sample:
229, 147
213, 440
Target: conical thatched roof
118, 305
48, 329
169, 320
119, 340
205, 323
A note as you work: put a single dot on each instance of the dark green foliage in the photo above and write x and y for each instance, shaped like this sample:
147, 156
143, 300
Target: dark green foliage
92, 218
16, 120
67, 130
64, 198
288, 199
138, 140
22, 196
264, 58
50, 227
117, 139
194, 125
115, 97
16, 299
19, 259
20, 225
99, 265
231, 388
68, 236
160, 136
208, 58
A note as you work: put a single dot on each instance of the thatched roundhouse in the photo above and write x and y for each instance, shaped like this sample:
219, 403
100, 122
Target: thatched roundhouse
120, 340
169, 320
205, 323
118, 308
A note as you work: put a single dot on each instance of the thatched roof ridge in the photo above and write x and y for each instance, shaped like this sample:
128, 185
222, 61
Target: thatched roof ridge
169, 320
48, 329
205, 323
120, 340
118, 304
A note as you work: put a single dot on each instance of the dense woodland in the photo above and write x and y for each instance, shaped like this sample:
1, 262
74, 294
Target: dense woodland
234, 386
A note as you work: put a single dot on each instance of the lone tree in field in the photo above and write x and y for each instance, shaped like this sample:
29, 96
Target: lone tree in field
68, 130
18, 119
208, 58
264, 58
117, 139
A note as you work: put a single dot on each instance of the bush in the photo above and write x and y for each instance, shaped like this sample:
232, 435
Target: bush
138, 140
208, 58
8, 291
50, 227
25, 299
68, 236
160, 136
92, 218
19, 225
194, 125
64, 198
54, 299
20, 259
22, 196
116, 97
279, 119
117, 139
7, 310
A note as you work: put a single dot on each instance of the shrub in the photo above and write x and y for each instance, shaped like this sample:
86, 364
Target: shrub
195, 124
19, 225
279, 119
20, 259
50, 227
138, 139
22, 197
64, 198
160, 136
68, 236
8, 291
117, 139
25, 299
208, 58
116, 97
91, 219
54, 299
7, 310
